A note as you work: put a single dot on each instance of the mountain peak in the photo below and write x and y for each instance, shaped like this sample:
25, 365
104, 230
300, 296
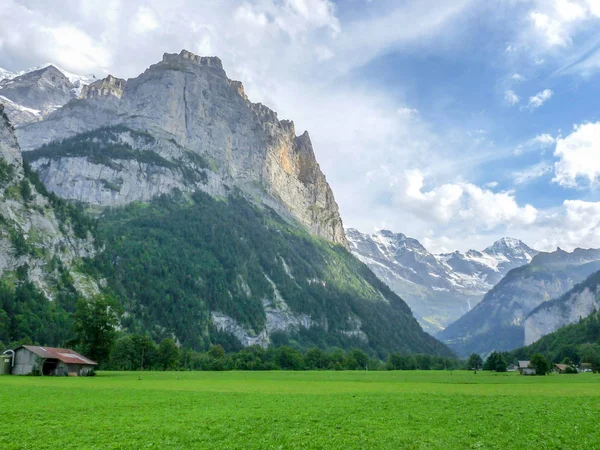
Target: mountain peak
507, 245
187, 56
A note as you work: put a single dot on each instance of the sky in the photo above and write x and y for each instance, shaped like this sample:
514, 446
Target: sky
455, 122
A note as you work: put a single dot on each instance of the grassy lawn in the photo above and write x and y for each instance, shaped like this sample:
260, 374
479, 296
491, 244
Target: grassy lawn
241, 410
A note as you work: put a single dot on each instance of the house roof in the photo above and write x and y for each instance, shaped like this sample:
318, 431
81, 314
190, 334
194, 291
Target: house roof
561, 366
524, 364
65, 355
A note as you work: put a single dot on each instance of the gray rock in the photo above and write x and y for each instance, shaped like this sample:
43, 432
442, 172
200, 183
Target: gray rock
188, 100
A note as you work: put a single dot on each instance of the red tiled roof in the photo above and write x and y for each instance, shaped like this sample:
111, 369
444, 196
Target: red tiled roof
65, 355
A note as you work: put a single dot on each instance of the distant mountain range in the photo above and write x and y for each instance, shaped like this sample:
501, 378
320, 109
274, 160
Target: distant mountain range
499, 321
438, 288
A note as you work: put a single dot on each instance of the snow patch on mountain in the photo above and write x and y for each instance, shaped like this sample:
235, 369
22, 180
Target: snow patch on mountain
439, 288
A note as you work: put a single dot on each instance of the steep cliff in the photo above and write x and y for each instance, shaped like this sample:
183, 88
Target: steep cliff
42, 242
187, 105
497, 323
576, 304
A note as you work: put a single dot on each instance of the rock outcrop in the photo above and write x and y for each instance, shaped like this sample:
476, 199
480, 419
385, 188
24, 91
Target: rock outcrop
36, 242
189, 101
576, 304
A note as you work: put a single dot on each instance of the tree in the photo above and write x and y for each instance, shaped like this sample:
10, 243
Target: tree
475, 362
217, 351
168, 354
96, 320
289, 359
590, 354
496, 362
315, 359
540, 364
144, 351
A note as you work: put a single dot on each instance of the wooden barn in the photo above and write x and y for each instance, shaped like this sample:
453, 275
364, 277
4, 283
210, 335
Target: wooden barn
49, 361
525, 368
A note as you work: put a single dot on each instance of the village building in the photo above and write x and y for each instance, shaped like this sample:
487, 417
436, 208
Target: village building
525, 369
49, 361
561, 368
512, 368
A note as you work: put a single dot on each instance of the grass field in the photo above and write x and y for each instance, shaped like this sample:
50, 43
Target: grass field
240, 410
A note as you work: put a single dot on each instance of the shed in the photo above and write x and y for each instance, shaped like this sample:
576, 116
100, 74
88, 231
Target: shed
561, 368
50, 361
526, 369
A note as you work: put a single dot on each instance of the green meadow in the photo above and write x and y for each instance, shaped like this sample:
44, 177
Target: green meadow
300, 410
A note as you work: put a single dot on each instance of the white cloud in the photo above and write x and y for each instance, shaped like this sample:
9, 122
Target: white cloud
517, 77
579, 157
575, 224
532, 173
511, 97
545, 140
552, 30
408, 113
145, 20
462, 203
539, 99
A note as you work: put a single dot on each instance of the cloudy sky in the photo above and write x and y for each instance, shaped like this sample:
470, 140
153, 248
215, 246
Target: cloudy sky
453, 121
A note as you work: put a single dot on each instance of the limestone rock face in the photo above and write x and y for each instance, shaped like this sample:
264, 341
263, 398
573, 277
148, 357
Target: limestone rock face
32, 236
576, 304
107, 86
189, 101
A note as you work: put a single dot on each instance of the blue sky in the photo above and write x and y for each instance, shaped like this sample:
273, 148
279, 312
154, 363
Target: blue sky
455, 122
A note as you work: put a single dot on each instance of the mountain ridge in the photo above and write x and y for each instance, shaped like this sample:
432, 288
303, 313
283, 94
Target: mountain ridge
497, 322
439, 288
175, 100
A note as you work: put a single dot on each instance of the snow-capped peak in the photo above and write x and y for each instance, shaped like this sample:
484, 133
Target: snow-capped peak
6, 74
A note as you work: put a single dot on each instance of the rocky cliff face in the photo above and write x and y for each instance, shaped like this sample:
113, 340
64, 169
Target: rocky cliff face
187, 105
438, 288
36, 242
497, 323
576, 304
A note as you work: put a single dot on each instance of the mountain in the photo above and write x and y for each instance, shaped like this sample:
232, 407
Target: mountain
32, 95
576, 304
438, 288
185, 110
497, 322
42, 243
214, 223
579, 341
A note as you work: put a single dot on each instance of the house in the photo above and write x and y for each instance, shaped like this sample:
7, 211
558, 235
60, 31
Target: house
561, 368
524, 368
49, 361
512, 368
585, 367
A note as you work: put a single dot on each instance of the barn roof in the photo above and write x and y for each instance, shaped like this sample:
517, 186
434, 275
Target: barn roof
523, 364
65, 355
